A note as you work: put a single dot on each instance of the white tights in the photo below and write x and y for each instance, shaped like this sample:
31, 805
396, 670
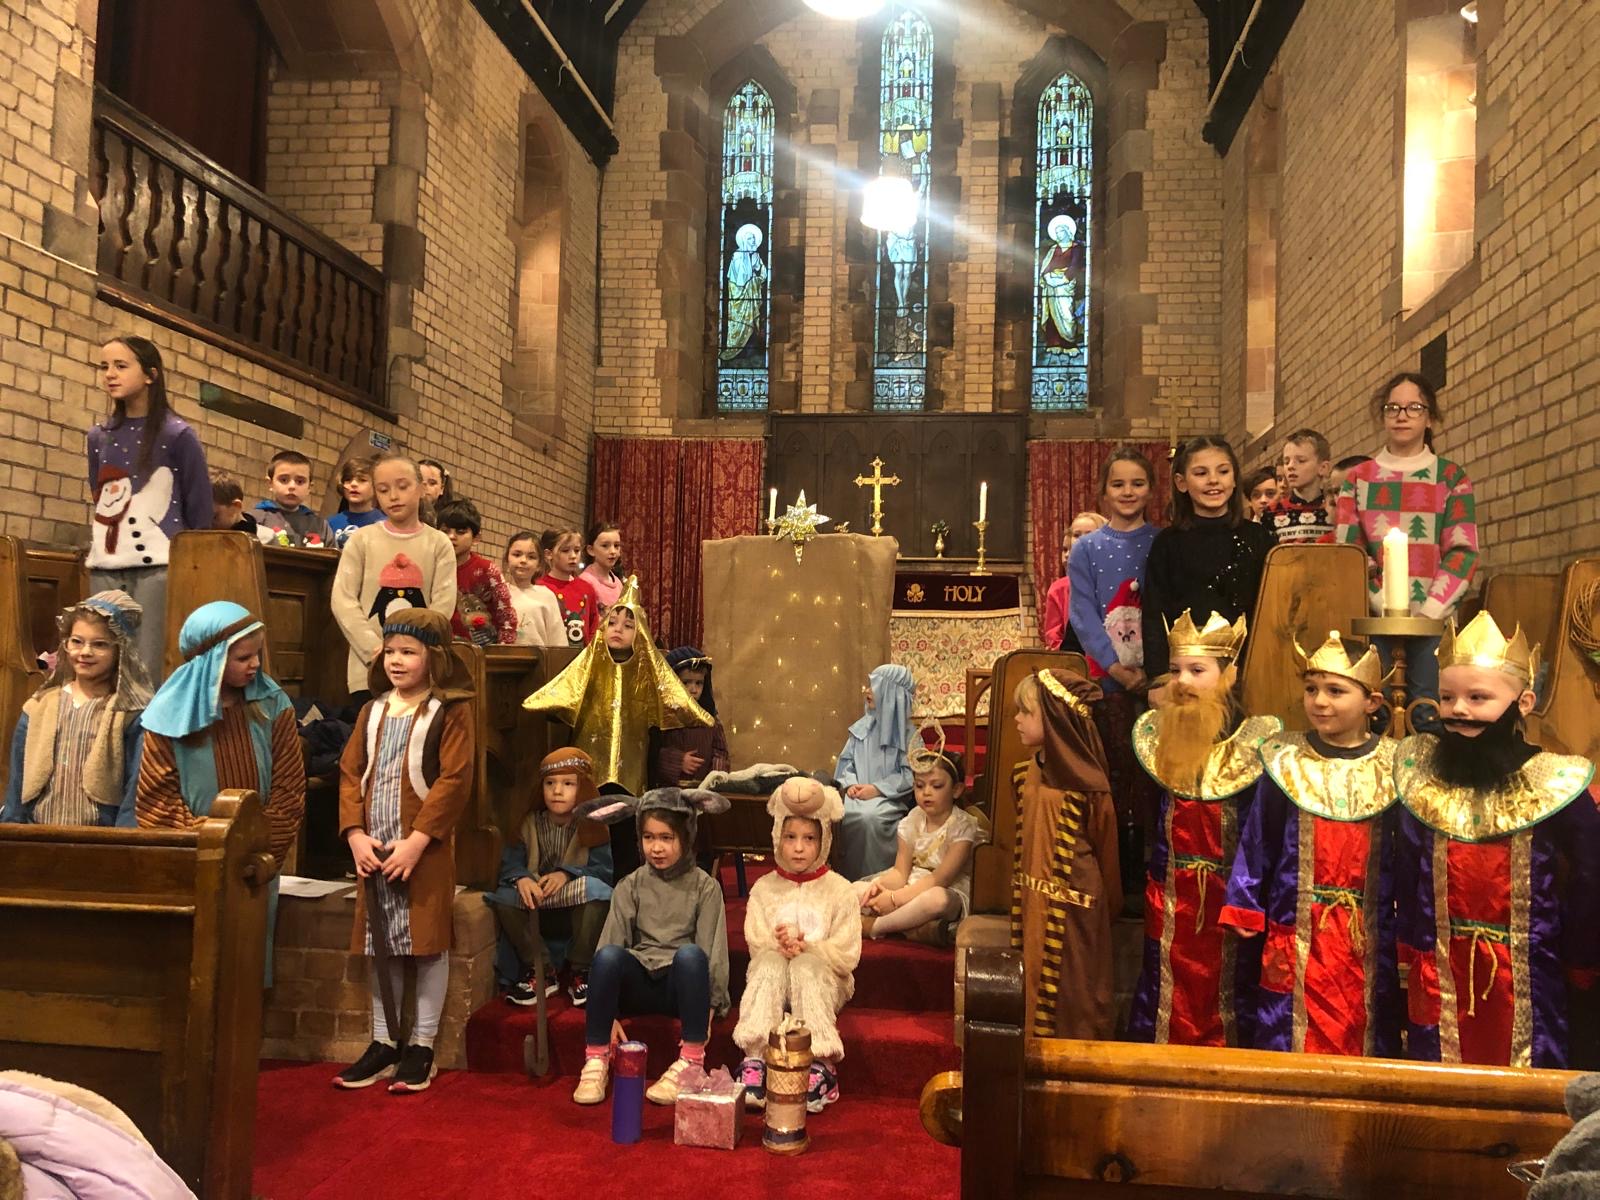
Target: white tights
433, 977
935, 904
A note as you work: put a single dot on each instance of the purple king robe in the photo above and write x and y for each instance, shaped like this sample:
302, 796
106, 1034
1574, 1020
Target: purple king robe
1499, 901
1313, 879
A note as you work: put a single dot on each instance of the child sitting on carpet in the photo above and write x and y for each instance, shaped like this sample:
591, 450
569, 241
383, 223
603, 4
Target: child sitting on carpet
686, 755
665, 945
561, 871
930, 885
874, 776
804, 934
404, 780
75, 753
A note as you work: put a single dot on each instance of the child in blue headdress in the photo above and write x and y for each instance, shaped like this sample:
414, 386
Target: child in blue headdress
220, 722
874, 775
75, 753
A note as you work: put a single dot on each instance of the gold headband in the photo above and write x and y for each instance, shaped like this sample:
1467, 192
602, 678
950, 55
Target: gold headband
924, 758
566, 764
1059, 690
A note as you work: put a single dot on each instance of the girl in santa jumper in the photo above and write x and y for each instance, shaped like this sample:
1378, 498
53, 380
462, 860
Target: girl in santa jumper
604, 572
538, 613
75, 754
149, 482
803, 926
1107, 570
404, 779
397, 563
580, 605
1428, 497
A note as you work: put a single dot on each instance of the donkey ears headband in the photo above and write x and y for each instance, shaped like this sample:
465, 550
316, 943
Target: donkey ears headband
609, 810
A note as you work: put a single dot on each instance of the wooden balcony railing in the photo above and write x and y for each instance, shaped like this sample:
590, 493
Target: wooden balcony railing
194, 247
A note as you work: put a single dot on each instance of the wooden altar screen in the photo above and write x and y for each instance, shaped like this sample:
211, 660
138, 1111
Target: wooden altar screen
941, 458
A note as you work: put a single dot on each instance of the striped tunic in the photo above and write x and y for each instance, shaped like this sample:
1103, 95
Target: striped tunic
161, 805
64, 801
385, 826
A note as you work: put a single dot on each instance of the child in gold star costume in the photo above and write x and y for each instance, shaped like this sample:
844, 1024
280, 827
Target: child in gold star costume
615, 692
1498, 872
1205, 757
1313, 881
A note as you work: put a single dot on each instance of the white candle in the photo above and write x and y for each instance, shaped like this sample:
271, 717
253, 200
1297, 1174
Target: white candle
983, 501
1396, 571
772, 504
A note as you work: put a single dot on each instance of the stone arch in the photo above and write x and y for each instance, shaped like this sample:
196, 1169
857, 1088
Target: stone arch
533, 378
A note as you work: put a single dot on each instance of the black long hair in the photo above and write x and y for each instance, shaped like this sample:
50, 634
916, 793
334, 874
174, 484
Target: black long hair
1182, 506
149, 359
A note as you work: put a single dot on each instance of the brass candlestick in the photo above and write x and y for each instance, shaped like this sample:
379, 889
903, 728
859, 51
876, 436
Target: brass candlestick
1397, 624
983, 528
771, 524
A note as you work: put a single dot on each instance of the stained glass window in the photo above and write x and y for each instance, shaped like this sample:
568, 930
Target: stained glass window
746, 258
1062, 224
905, 126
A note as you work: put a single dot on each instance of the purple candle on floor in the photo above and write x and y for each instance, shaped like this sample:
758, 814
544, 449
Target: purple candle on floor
627, 1093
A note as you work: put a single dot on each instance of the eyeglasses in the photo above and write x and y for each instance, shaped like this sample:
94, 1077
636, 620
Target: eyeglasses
1410, 410
78, 645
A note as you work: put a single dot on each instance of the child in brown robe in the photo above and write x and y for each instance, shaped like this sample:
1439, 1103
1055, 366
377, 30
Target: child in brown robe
1066, 888
404, 779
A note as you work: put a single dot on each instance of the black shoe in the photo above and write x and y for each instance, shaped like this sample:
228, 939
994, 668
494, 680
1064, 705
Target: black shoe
377, 1062
415, 1072
525, 995
578, 989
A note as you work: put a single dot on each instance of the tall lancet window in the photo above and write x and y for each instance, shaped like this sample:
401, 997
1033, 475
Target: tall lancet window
1062, 225
746, 259
905, 125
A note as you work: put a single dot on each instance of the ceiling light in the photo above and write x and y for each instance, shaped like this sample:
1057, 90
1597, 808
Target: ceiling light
845, 10
1469, 11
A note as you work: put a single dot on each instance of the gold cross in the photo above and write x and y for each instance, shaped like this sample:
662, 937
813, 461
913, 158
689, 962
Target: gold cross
877, 481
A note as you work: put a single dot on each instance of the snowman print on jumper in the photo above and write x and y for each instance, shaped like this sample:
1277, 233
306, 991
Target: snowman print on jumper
127, 524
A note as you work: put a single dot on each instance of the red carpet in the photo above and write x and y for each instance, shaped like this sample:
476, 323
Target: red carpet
490, 1132
500, 1137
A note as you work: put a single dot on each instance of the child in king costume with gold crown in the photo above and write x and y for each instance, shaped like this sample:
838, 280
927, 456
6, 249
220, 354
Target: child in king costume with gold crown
1498, 884
1204, 754
1315, 870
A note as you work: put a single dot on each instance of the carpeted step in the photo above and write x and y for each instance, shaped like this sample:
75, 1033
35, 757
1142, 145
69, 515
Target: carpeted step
496, 1135
887, 1052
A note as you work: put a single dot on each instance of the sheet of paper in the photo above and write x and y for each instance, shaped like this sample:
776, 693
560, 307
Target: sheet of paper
311, 889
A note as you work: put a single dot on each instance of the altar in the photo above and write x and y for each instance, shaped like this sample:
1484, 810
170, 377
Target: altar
944, 619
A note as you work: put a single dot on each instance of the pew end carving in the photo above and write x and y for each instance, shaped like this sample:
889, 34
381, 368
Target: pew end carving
1051, 1116
134, 968
19, 672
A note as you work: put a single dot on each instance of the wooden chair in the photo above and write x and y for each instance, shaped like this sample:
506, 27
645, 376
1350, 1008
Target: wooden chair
1111, 1120
1565, 720
1305, 591
133, 963
56, 578
19, 673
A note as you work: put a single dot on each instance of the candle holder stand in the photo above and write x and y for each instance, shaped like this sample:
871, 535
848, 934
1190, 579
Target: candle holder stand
772, 525
983, 528
1398, 625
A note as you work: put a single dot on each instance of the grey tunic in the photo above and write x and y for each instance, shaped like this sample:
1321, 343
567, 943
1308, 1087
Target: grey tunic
651, 916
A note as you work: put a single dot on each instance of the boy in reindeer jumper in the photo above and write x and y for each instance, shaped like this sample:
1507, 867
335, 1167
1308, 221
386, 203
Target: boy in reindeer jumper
803, 927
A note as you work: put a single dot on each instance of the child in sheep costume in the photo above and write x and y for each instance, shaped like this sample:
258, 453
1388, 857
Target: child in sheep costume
803, 927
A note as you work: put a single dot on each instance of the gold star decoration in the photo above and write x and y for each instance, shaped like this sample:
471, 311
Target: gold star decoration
799, 524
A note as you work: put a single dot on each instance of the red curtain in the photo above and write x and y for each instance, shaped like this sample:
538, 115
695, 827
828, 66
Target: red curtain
669, 495
1063, 481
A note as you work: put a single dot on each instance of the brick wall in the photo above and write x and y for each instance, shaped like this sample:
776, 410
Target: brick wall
1522, 365
328, 140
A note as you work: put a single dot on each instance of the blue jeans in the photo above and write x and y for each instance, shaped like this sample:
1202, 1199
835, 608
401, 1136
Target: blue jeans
619, 985
1422, 677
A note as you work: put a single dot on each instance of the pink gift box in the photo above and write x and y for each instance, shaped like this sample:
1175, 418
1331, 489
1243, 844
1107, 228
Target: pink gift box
709, 1110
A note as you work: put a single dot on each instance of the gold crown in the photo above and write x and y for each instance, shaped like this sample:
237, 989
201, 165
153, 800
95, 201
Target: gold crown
1218, 639
1481, 644
1333, 658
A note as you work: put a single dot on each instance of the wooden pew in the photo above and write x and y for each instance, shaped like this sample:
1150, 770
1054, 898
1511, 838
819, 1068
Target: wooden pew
1530, 600
55, 579
1054, 1117
991, 870
1565, 719
19, 673
133, 963
1305, 591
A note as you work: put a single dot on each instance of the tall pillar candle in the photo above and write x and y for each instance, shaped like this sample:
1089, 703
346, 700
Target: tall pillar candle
1396, 571
983, 501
